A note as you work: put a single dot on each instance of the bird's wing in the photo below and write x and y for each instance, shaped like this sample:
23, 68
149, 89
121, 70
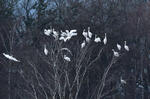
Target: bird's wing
72, 31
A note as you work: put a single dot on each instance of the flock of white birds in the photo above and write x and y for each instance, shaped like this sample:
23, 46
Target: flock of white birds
67, 35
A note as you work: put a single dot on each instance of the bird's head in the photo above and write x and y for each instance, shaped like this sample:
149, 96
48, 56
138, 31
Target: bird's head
113, 50
88, 28
125, 42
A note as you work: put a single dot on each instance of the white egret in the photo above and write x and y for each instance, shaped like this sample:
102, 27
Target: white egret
97, 39
55, 34
67, 58
67, 31
47, 32
105, 39
84, 33
11, 57
83, 44
140, 86
125, 46
87, 39
116, 54
89, 33
63, 36
119, 46
122, 81
63, 33
45, 50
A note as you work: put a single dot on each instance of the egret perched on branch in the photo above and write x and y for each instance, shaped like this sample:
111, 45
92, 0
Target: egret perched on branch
84, 33
67, 58
105, 39
116, 54
45, 50
122, 81
119, 46
83, 44
125, 46
87, 39
97, 39
89, 33
47, 31
11, 57
55, 34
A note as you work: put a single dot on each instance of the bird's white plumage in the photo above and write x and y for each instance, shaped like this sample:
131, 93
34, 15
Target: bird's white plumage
47, 32
84, 33
140, 86
97, 39
123, 81
89, 33
116, 54
83, 44
73, 31
105, 39
55, 34
87, 39
125, 46
45, 50
118, 46
67, 58
10, 57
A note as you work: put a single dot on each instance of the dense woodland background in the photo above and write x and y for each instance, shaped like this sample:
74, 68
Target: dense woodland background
22, 23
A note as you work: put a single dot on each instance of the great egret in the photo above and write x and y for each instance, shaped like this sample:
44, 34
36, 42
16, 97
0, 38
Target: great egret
67, 58
87, 39
122, 81
105, 39
47, 32
89, 33
97, 39
125, 46
116, 54
45, 50
84, 33
55, 34
83, 44
119, 46
11, 57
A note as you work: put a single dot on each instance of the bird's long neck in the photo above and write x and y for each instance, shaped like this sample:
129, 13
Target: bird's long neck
113, 50
89, 29
125, 43
105, 35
